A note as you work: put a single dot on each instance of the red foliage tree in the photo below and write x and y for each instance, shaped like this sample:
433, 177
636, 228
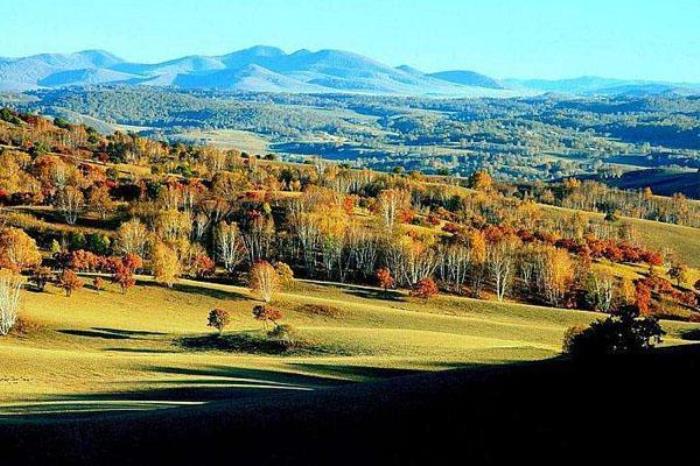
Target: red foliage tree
70, 282
384, 278
642, 299
203, 266
425, 289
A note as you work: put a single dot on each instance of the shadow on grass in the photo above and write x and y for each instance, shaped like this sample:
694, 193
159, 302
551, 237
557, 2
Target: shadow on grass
141, 350
200, 290
382, 295
692, 335
95, 334
253, 342
110, 333
127, 332
208, 383
347, 371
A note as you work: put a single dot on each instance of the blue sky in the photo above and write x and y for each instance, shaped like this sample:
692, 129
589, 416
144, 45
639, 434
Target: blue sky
644, 39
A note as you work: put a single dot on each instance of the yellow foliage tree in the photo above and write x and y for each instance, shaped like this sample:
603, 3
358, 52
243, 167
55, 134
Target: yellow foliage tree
166, 264
18, 250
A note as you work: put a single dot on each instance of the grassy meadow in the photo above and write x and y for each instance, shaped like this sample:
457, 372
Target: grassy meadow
112, 351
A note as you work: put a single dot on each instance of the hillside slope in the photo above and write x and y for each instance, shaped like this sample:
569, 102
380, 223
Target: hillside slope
484, 415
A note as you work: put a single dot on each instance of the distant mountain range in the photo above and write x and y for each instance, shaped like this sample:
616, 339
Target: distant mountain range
269, 69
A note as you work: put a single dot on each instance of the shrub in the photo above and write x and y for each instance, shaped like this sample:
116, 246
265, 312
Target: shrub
98, 283
219, 319
285, 334
267, 313
23, 326
614, 335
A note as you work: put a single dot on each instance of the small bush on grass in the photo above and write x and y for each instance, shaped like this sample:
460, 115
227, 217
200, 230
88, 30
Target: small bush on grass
284, 334
323, 310
24, 327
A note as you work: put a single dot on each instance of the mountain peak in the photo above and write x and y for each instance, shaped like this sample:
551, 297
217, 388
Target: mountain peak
98, 57
261, 51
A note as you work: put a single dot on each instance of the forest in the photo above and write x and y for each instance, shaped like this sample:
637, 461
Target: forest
77, 201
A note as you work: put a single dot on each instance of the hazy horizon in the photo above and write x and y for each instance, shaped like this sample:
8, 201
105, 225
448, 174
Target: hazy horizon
653, 41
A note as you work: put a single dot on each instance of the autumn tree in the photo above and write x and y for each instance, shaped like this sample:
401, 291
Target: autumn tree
100, 201
258, 236
132, 237
285, 274
555, 274
642, 298
18, 250
219, 319
173, 225
478, 254
390, 203
481, 181
122, 275
166, 264
263, 280
384, 278
600, 291
10, 285
70, 282
425, 289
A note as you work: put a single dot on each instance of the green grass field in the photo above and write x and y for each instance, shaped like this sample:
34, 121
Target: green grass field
228, 139
113, 351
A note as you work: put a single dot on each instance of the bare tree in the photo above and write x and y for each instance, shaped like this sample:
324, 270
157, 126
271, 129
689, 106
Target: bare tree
70, 202
230, 246
10, 285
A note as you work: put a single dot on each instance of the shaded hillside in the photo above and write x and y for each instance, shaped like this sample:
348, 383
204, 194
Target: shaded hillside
664, 182
535, 411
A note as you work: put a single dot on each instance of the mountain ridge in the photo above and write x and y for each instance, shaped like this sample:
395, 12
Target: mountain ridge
263, 68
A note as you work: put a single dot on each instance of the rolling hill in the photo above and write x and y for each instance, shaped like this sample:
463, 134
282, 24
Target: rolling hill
595, 85
666, 182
